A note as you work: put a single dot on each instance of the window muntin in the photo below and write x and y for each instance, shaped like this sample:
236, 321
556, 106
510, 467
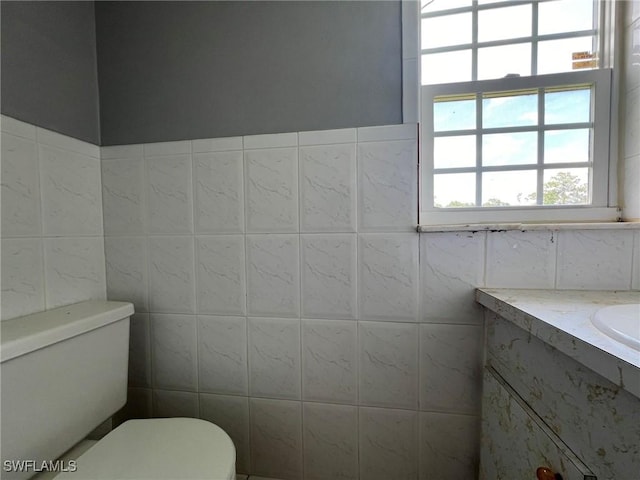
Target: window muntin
485, 147
559, 129
524, 37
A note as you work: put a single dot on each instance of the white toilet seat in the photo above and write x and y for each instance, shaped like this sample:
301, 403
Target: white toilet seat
163, 448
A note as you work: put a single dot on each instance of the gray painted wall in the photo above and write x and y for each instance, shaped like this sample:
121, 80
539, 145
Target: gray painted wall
181, 70
49, 72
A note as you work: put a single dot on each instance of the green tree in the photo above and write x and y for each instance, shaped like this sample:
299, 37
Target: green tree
563, 188
459, 204
495, 202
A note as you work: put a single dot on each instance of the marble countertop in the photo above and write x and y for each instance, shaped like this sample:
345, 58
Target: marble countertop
562, 319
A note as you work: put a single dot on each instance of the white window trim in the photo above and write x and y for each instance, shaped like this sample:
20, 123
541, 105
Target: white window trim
604, 212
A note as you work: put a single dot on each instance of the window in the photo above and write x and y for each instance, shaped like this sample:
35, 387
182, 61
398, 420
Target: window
515, 111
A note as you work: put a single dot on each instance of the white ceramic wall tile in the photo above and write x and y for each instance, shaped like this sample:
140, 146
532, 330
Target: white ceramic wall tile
330, 442
274, 358
388, 442
139, 351
388, 132
121, 151
232, 415
123, 196
173, 351
450, 368
452, 267
329, 276
273, 275
126, 268
449, 446
18, 128
22, 277
388, 356
276, 140
521, 259
635, 280
221, 275
388, 277
53, 139
71, 193
271, 178
632, 122
276, 438
224, 144
327, 137
169, 194
175, 404
328, 188
139, 405
74, 270
630, 189
20, 187
595, 259
388, 186
329, 361
171, 274
219, 192
222, 355
167, 148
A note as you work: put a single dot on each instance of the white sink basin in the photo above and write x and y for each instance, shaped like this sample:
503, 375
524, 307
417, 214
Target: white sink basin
620, 322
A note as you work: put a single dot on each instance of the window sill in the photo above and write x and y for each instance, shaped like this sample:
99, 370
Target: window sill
500, 227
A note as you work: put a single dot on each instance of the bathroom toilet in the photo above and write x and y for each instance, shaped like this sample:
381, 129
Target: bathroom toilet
63, 373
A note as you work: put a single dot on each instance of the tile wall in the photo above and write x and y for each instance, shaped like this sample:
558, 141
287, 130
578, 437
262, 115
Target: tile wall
52, 240
283, 293
281, 290
630, 111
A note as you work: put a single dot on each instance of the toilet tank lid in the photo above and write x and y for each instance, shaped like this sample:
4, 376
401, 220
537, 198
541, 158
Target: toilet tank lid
23, 335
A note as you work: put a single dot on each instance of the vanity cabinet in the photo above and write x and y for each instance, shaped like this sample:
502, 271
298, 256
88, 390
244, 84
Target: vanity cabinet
544, 407
516, 441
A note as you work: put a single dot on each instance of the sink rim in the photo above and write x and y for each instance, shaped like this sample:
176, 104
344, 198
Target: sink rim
617, 322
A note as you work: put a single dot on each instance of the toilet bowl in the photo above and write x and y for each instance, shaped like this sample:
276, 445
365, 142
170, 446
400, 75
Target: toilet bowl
63, 373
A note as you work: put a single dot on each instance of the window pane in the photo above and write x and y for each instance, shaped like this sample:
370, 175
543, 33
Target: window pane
454, 152
554, 56
504, 23
509, 149
446, 67
509, 188
566, 187
454, 190
565, 16
570, 106
446, 30
437, 5
511, 111
497, 62
562, 146
454, 115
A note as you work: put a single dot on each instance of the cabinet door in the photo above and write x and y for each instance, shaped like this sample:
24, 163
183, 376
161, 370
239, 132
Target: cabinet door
515, 441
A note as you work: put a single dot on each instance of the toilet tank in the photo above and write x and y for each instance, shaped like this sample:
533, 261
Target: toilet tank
62, 373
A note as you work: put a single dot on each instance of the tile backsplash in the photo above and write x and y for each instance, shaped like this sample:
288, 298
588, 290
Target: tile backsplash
52, 233
281, 290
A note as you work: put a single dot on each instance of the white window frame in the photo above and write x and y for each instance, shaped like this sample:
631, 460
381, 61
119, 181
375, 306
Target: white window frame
603, 178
